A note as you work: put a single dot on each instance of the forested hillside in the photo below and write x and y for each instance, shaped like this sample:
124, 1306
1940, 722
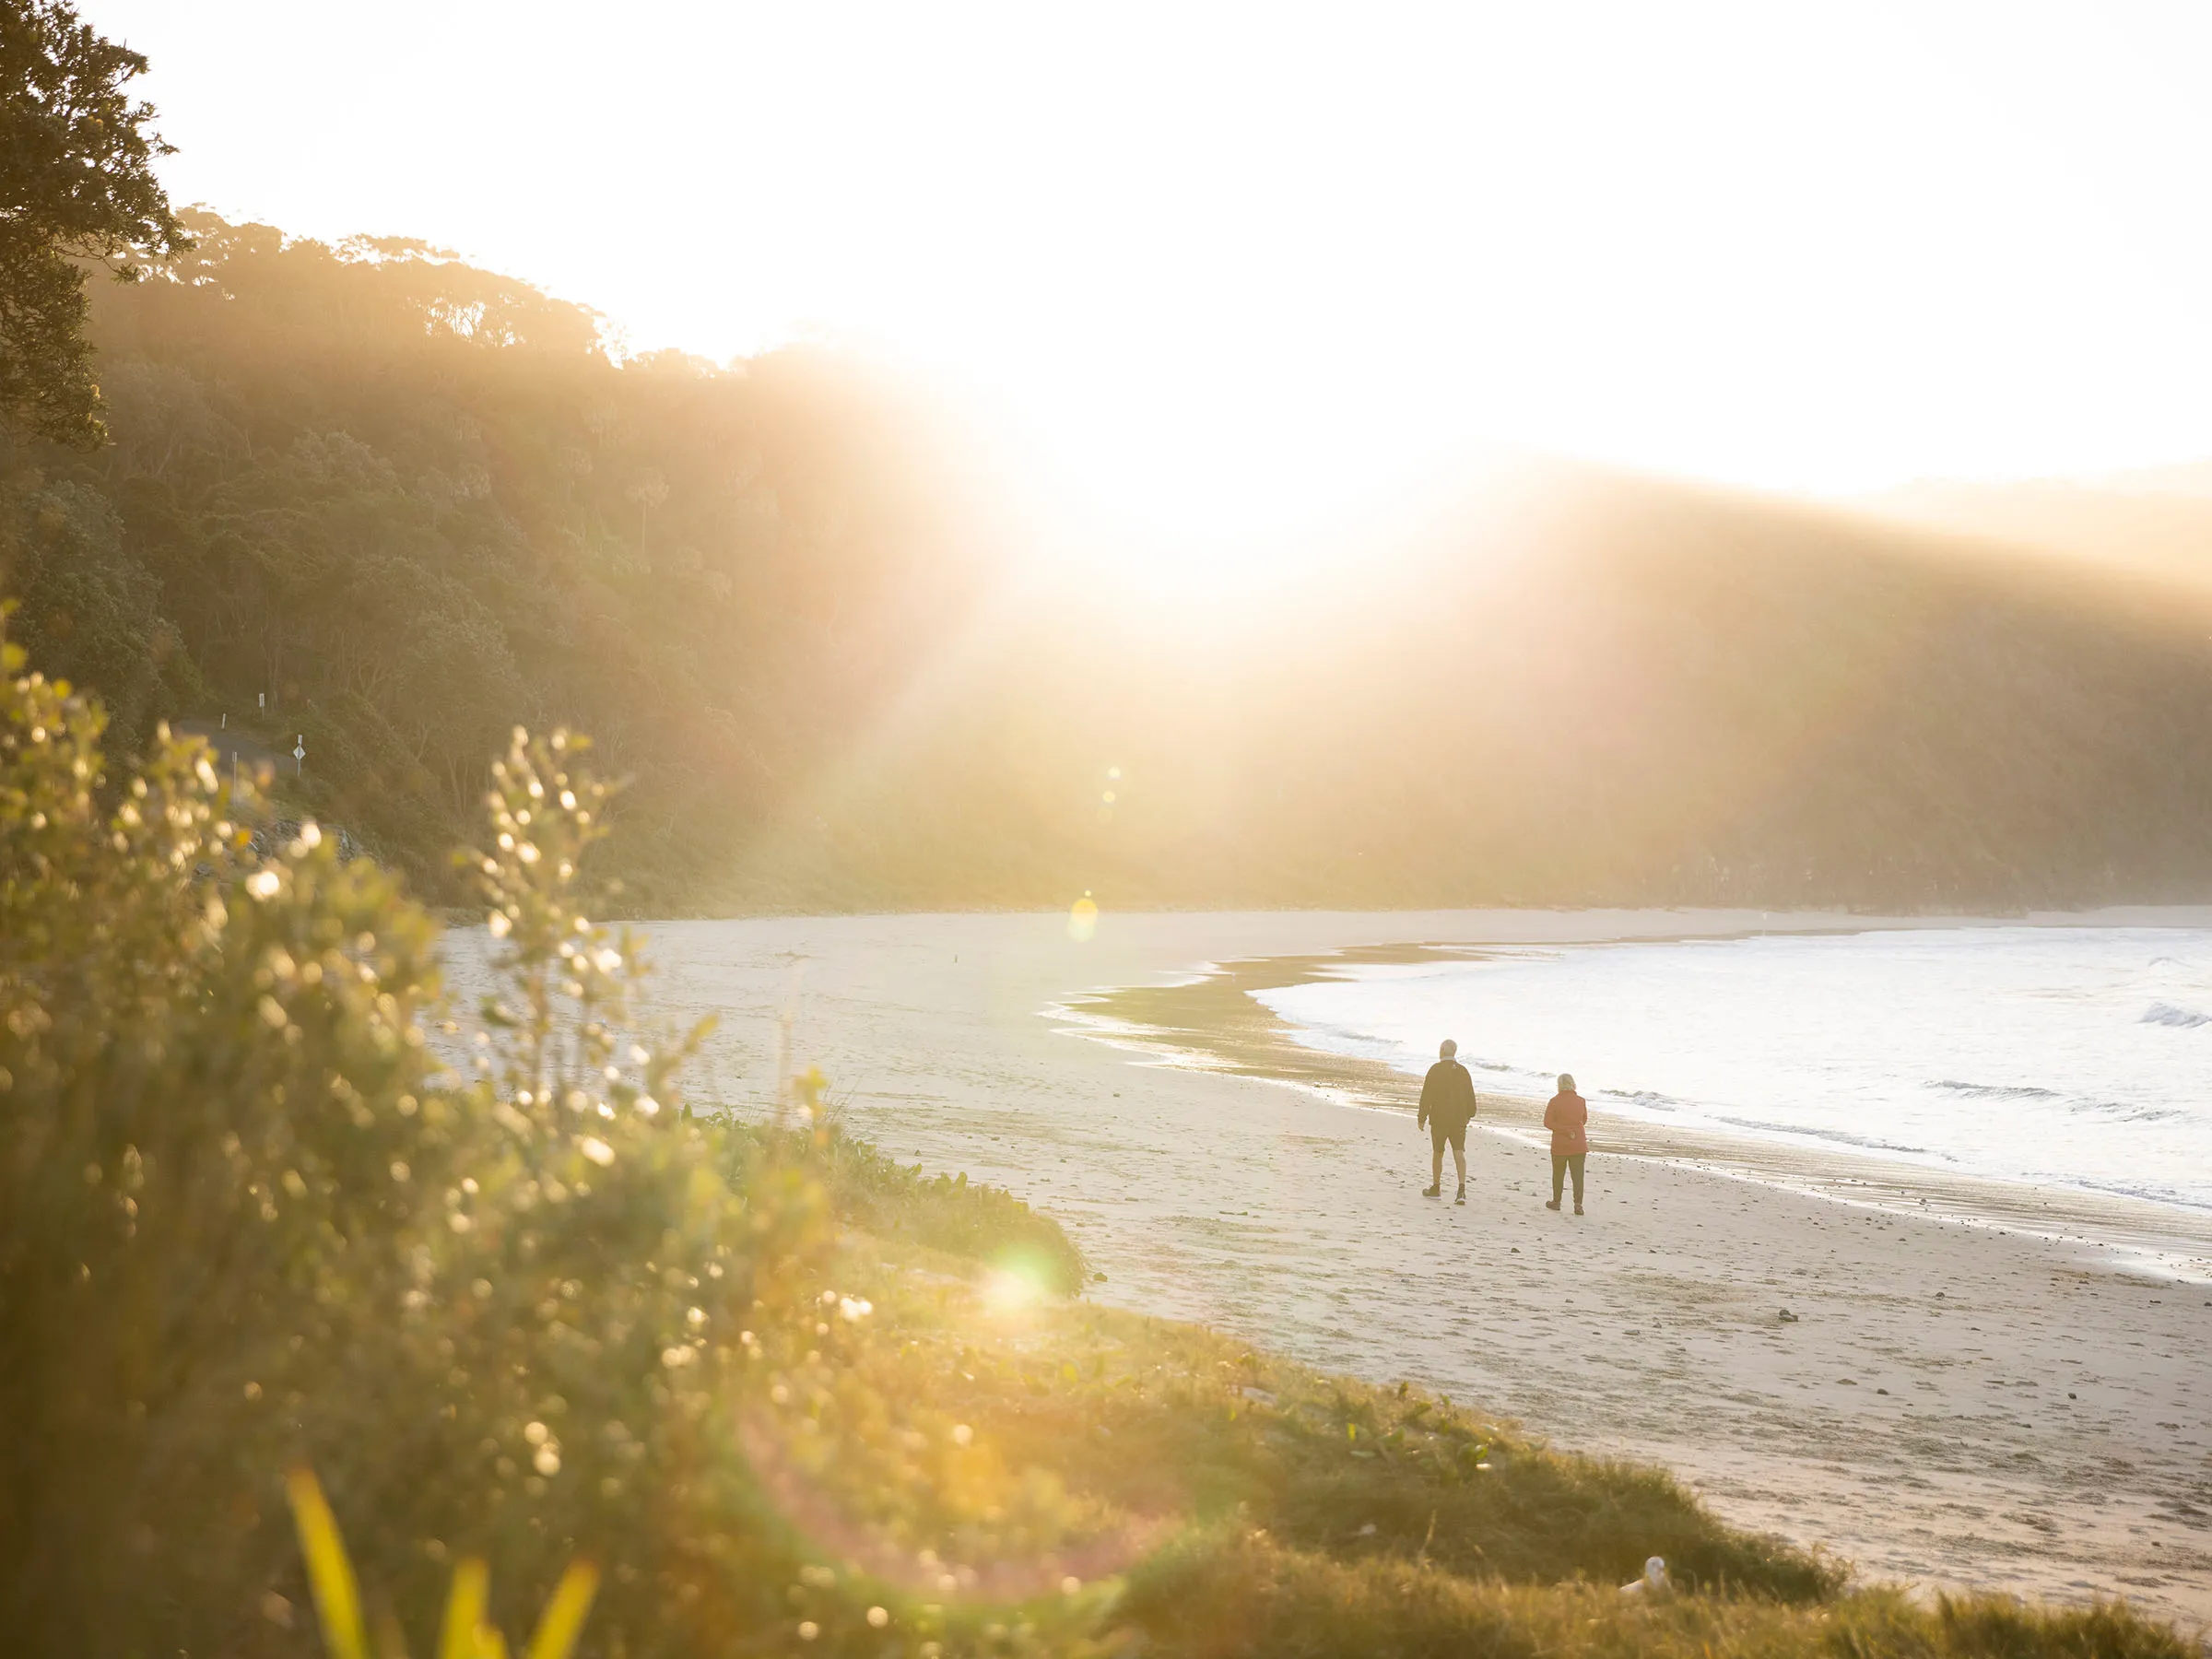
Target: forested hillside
1587, 690
411, 504
2158, 521
414, 503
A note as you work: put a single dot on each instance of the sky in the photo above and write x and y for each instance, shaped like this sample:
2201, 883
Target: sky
1229, 267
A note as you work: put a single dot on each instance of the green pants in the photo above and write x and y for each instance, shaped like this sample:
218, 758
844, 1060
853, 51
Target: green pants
1560, 1163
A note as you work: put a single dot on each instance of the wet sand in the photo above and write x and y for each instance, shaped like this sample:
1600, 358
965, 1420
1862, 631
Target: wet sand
1979, 1387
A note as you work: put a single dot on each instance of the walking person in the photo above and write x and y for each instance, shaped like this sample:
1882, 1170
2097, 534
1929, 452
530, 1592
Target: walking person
1447, 1103
1568, 1118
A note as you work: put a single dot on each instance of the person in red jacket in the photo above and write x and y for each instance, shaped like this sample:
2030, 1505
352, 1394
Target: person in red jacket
1568, 1118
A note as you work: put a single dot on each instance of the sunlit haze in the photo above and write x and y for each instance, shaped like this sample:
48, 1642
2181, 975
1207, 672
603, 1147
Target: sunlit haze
1223, 269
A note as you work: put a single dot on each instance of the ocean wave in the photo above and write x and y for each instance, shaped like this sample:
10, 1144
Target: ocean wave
1842, 1136
1650, 1098
1995, 1091
2125, 1111
2166, 1014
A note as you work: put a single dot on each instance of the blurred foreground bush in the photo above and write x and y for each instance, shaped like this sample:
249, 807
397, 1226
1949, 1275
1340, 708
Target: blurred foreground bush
264, 1203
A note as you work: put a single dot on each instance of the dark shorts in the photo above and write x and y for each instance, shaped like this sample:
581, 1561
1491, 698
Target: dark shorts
1440, 1137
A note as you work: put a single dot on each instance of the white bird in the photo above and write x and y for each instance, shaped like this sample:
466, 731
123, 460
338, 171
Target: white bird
1652, 1582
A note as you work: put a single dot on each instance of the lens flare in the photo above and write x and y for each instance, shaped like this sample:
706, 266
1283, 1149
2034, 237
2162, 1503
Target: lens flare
1016, 1285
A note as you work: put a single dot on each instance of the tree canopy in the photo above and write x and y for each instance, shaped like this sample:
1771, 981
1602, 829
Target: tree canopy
368, 494
76, 186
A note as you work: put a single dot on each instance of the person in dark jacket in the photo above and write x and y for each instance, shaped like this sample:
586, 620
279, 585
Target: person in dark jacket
1568, 1118
1447, 1103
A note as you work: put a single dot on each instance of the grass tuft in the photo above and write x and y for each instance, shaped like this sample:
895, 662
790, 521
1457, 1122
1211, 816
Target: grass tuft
1239, 1593
467, 1632
873, 1192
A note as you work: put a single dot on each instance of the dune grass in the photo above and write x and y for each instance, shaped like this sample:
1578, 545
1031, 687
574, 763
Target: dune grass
869, 1190
1252, 1596
1239, 1503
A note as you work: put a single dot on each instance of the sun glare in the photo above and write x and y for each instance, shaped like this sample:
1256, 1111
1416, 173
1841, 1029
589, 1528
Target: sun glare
1226, 268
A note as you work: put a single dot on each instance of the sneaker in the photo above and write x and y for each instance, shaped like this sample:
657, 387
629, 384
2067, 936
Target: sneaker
1578, 1208
1462, 1196
1552, 1204
1434, 1192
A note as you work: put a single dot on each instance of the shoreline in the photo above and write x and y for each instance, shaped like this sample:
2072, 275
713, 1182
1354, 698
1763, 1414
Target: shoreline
1950, 1407
1213, 1020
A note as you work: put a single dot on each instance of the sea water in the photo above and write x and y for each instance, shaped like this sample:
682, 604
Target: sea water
2077, 1057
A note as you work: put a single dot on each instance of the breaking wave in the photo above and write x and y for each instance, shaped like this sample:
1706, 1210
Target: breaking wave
2166, 1014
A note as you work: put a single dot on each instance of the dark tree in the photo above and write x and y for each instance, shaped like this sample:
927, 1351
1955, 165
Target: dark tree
76, 184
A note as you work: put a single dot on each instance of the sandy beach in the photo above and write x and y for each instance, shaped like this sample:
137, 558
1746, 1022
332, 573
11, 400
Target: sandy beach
1977, 1387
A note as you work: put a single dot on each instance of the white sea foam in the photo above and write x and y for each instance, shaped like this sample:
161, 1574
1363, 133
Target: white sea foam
2073, 1057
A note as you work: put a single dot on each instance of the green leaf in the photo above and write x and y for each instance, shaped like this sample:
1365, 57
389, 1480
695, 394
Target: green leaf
337, 1595
563, 1619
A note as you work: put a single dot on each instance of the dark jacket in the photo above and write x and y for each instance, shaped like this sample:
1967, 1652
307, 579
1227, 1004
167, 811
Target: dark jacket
1447, 1096
1568, 1118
